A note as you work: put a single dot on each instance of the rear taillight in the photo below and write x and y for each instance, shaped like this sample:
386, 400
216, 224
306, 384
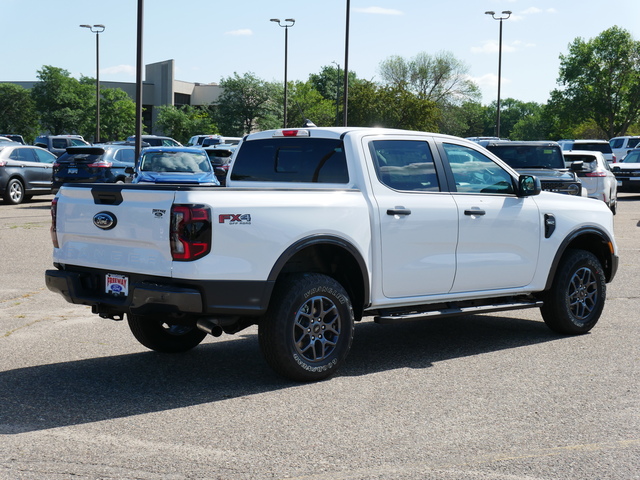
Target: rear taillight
190, 235
54, 218
100, 164
596, 174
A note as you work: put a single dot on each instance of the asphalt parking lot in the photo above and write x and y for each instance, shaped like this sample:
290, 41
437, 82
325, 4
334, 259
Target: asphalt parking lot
496, 396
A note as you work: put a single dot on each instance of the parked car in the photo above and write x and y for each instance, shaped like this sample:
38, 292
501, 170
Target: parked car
220, 156
94, 164
595, 174
156, 141
627, 171
25, 170
57, 144
601, 146
540, 158
182, 165
13, 137
6, 140
621, 145
208, 140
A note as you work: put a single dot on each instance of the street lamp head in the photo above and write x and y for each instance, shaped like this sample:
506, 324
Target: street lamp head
490, 12
98, 28
275, 20
507, 12
292, 20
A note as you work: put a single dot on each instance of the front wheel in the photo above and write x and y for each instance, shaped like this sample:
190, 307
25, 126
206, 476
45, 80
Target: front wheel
307, 331
161, 336
577, 296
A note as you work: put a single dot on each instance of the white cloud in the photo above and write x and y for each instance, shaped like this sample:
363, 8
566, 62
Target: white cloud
531, 10
119, 69
379, 11
489, 80
241, 32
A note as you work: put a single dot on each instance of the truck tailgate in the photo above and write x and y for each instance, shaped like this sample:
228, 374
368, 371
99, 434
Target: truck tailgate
119, 228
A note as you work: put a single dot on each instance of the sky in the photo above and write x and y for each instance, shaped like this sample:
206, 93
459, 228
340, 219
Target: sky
212, 40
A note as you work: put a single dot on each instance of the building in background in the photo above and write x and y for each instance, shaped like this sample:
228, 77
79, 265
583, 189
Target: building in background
159, 87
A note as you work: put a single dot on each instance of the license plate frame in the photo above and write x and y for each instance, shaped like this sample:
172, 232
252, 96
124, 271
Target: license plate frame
116, 285
72, 171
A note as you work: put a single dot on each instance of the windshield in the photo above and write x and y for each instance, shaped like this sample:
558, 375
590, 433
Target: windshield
632, 157
189, 162
529, 156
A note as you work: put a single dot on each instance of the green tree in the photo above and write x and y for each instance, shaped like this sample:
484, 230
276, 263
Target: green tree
181, 122
17, 111
600, 81
465, 120
329, 82
246, 102
307, 103
64, 103
117, 114
392, 107
441, 78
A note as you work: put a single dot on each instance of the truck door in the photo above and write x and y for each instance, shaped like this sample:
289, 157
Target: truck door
499, 236
418, 224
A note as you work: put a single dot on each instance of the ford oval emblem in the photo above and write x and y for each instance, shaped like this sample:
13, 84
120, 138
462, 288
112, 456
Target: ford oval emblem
105, 220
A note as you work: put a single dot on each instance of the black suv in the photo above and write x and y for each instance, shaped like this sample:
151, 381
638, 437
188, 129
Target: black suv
540, 158
57, 144
156, 141
94, 164
220, 157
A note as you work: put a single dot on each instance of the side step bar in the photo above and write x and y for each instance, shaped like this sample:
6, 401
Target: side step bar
453, 311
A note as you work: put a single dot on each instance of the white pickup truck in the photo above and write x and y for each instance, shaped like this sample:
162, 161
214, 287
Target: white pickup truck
320, 227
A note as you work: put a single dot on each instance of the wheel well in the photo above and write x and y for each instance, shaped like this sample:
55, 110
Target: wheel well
336, 262
592, 241
597, 245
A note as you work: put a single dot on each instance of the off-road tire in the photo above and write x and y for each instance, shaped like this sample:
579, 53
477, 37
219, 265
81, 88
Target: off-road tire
307, 331
575, 301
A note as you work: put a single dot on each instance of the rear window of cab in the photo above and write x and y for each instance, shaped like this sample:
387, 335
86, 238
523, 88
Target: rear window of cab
291, 160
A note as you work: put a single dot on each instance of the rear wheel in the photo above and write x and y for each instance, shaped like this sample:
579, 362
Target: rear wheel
307, 331
575, 301
161, 336
14, 194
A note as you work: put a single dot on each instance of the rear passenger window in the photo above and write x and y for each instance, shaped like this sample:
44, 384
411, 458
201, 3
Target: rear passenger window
405, 165
305, 160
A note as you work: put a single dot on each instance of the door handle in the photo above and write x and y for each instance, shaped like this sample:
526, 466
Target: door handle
398, 211
474, 212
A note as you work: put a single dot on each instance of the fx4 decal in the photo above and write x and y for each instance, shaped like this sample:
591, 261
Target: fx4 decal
235, 218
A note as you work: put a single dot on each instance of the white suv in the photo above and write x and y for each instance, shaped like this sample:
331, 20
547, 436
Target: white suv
601, 146
622, 145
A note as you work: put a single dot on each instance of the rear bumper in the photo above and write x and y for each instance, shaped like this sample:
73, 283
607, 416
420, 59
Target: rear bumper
160, 295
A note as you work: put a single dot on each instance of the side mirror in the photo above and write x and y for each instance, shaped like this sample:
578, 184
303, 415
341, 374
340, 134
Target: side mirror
528, 185
577, 166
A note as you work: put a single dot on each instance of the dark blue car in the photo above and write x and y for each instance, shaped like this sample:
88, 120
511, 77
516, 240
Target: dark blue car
182, 165
93, 164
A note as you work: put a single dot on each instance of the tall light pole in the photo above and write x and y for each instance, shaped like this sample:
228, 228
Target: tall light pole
337, 94
345, 102
289, 22
505, 14
97, 29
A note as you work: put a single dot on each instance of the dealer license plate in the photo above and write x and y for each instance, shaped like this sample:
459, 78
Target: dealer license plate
117, 285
